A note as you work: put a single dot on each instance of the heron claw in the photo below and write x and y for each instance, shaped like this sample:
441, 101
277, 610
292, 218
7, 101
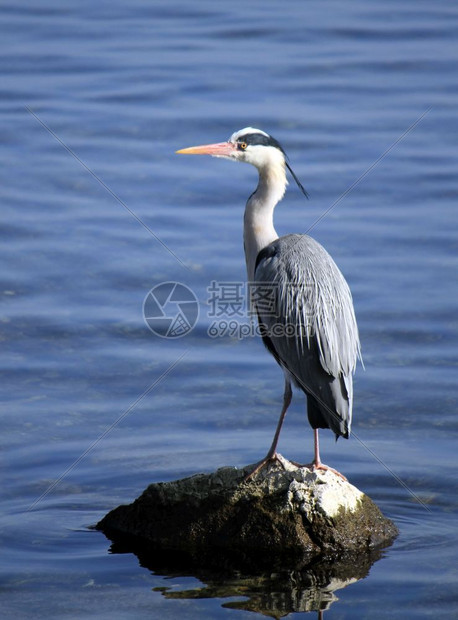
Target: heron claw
324, 467
275, 457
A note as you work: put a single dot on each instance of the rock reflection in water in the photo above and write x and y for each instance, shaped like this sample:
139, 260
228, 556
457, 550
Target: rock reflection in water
301, 587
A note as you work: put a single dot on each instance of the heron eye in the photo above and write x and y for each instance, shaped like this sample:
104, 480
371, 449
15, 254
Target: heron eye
243, 145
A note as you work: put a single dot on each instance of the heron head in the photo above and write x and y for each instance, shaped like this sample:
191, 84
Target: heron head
249, 145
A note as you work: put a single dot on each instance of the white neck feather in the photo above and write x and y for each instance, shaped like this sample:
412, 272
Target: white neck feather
258, 230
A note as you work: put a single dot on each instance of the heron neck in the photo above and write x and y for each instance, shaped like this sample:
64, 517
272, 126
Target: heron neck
258, 230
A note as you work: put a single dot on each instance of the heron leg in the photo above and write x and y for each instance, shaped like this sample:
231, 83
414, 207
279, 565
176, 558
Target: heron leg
272, 454
287, 396
316, 463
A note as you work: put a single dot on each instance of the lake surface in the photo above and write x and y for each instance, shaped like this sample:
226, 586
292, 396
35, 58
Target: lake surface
96, 210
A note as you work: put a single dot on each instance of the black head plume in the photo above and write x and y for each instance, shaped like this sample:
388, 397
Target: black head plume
299, 184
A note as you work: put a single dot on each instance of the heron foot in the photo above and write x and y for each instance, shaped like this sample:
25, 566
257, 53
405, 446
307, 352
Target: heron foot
274, 457
313, 466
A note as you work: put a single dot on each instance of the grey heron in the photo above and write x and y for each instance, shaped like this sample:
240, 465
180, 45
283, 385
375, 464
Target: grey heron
312, 331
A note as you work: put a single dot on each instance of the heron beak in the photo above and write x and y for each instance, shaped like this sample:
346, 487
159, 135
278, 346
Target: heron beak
222, 149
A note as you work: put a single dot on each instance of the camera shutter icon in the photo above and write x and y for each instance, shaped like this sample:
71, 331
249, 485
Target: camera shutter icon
171, 310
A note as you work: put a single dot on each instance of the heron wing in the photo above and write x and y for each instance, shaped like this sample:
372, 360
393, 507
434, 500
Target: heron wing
309, 325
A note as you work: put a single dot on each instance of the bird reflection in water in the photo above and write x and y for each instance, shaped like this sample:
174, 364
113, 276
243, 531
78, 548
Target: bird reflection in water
276, 594
303, 586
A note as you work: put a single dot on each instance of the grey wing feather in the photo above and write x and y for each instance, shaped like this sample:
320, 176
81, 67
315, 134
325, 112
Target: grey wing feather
319, 343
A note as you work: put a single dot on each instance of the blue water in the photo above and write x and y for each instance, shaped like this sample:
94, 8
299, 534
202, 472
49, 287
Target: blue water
95, 99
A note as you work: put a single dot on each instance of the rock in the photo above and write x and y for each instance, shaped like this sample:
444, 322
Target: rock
284, 511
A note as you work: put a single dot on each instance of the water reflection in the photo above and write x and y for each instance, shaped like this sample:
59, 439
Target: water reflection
306, 586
